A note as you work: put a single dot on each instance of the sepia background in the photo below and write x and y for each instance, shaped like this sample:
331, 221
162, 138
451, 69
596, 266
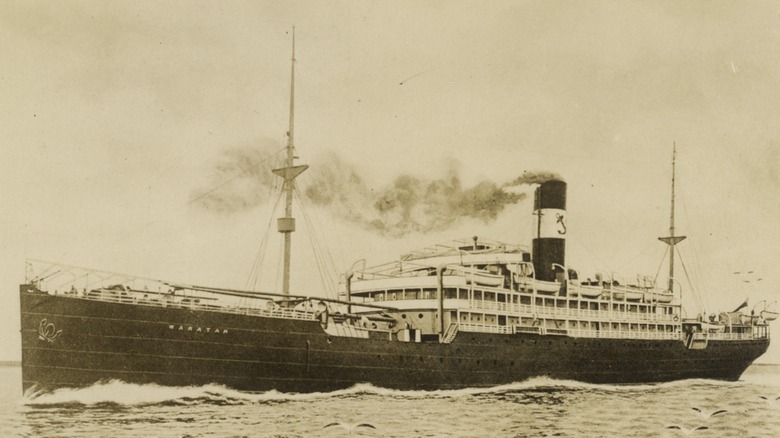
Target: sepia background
134, 136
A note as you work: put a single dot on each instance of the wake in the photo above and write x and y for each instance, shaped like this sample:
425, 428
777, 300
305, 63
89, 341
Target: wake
119, 393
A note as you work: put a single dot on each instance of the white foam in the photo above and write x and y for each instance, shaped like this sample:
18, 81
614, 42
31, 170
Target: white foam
133, 394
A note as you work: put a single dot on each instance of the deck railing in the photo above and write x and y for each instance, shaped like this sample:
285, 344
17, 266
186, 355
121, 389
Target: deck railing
600, 334
619, 334
485, 328
728, 336
130, 298
565, 312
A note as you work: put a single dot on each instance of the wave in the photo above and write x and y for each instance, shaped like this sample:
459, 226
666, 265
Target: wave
119, 393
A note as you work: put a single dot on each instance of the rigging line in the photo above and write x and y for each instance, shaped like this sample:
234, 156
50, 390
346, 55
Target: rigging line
329, 265
262, 248
702, 298
694, 247
45, 272
75, 279
256, 269
697, 275
515, 226
696, 296
252, 167
102, 276
641, 253
328, 272
599, 261
319, 249
279, 258
317, 258
658, 272
165, 217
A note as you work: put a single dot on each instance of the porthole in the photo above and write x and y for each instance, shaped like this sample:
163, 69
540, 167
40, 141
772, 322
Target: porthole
420, 315
403, 315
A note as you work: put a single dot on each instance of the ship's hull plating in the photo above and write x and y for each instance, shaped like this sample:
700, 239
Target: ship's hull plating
69, 342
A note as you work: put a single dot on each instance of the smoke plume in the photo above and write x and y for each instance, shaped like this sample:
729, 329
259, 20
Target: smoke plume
408, 204
240, 180
532, 178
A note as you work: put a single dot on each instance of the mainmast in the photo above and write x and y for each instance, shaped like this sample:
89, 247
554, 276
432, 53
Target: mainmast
286, 224
672, 239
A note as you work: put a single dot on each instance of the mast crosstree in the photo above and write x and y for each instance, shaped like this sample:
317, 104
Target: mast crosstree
286, 224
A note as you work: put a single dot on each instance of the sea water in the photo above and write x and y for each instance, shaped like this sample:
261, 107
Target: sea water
538, 407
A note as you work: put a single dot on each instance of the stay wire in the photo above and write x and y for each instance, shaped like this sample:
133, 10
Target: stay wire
658, 271
696, 297
321, 254
252, 167
255, 273
696, 260
161, 218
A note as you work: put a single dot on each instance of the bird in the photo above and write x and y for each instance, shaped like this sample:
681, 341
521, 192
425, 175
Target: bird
411, 77
769, 400
707, 415
686, 431
349, 427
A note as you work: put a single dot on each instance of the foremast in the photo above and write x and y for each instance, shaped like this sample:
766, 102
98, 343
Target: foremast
672, 240
286, 224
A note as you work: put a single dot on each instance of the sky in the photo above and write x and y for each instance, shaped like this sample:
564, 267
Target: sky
135, 136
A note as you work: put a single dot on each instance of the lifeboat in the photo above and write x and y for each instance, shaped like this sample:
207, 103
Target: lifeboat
477, 276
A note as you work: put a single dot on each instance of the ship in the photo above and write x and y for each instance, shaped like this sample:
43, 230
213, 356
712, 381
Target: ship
467, 313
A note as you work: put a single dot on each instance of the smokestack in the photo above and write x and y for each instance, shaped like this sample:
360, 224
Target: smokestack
549, 243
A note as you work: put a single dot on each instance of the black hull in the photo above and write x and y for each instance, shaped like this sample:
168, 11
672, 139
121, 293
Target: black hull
68, 342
